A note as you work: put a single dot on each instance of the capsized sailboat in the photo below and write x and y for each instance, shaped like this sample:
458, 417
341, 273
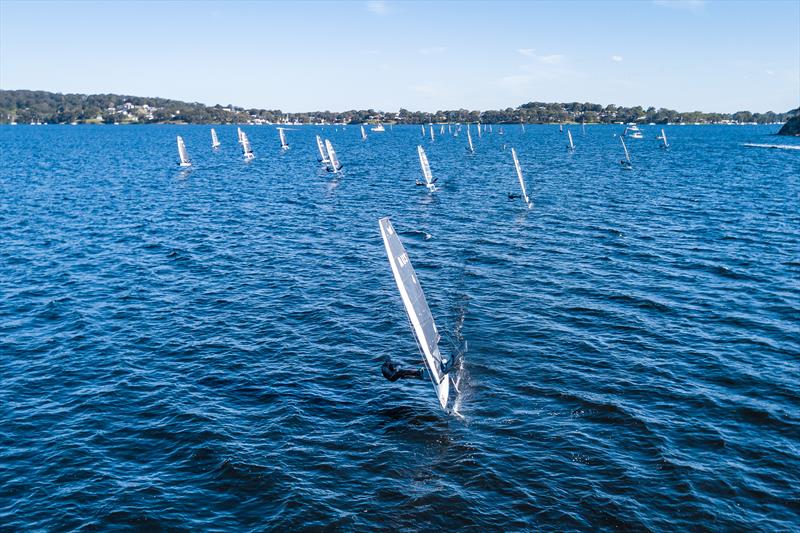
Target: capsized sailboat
429, 182
524, 195
333, 164
419, 314
182, 154
214, 139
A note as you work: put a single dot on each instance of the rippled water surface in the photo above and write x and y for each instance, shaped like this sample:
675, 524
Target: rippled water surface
201, 349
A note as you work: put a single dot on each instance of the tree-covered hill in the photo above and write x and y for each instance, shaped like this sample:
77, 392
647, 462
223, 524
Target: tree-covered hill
24, 106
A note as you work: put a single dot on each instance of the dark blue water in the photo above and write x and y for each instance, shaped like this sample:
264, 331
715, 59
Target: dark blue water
200, 349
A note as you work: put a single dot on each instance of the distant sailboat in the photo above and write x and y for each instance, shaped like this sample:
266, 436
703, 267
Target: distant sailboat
284, 145
449, 129
423, 129
333, 164
239, 134
524, 195
441, 130
571, 145
429, 182
626, 163
470, 148
523, 126
419, 314
363, 133
479, 130
379, 128
323, 156
560, 128
664, 143
583, 127
214, 139
246, 150
182, 153
433, 136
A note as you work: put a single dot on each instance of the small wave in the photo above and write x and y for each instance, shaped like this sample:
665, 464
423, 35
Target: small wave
776, 146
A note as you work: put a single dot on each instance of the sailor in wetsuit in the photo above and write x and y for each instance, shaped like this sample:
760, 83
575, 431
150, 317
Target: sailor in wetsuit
393, 372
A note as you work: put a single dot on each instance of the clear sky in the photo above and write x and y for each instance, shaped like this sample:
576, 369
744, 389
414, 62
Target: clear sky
688, 55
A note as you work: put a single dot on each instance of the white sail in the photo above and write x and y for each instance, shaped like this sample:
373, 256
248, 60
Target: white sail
246, 150
333, 162
561, 128
449, 129
184, 156
363, 133
627, 155
479, 130
433, 136
323, 156
469, 140
583, 127
441, 130
523, 126
239, 134
419, 314
571, 144
664, 139
426, 169
282, 135
521, 180
214, 139
423, 129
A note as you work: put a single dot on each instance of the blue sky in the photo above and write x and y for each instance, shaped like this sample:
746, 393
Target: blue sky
301, 56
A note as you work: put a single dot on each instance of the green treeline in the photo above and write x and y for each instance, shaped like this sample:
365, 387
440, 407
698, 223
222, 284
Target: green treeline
55, 108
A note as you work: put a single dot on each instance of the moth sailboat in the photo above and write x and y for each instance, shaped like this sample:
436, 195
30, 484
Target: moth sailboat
333, 164
524, 195
419, 314
626, 163
246, 150
214, 139
284, 145
184, 156
323, 156
429, 182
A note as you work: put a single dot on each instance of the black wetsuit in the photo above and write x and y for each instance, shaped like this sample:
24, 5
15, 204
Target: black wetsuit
393, 372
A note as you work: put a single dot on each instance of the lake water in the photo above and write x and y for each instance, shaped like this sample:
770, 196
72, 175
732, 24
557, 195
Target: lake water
200, 349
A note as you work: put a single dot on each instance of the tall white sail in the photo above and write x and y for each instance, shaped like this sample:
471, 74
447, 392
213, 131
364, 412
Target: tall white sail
239, 134
184, 156
561, 128
470, 148
571, 145
441, 130
627, 155
665, 144
214, 139
419, 314
521, 180
333, 162
323, 156
426, 169
423, 129
523, 126
433, 135
282, 135
449, 129
246, 150
479, 130
363, 133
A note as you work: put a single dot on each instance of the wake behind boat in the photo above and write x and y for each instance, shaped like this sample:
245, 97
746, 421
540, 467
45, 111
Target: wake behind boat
419, 314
